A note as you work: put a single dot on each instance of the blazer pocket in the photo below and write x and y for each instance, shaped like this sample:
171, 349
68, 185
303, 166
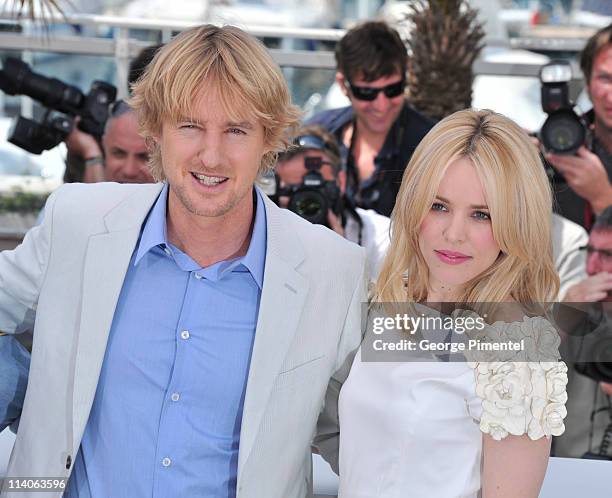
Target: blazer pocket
299, 373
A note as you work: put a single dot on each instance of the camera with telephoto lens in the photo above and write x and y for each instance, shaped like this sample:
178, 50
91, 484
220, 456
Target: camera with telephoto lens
315, 196
16, 78
564, 131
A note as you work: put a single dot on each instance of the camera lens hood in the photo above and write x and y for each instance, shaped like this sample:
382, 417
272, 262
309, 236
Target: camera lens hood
563, 132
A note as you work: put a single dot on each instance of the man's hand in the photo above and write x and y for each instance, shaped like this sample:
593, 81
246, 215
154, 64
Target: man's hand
82, 144
335, 223
85, 146
590, 290
586, 175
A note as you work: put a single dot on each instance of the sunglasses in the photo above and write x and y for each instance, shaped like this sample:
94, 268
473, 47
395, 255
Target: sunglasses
368, 93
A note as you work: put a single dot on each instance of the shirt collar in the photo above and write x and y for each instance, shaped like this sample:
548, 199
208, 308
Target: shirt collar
154, 230
154, 233
255, 258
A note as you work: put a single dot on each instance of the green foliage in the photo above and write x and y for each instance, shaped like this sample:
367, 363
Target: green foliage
22, 202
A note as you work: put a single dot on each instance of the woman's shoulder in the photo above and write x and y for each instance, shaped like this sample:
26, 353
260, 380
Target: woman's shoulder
522, 398
523, 390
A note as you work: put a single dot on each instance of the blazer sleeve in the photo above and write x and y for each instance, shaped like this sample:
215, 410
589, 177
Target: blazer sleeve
22, 272
327, 437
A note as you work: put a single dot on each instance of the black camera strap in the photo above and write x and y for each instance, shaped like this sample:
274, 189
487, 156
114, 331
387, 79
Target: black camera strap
352, 174
606, 439
350, 209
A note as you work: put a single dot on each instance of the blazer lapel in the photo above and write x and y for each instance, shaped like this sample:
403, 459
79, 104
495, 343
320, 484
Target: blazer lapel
283, 295
106, 262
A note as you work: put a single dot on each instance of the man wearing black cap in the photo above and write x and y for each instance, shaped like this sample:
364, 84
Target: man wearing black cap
365, 227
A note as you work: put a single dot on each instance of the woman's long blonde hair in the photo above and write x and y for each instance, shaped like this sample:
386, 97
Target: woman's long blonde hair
519, 198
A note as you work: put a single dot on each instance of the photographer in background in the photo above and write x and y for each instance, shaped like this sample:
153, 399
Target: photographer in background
588, 403
588, 172
364, 227
379, 131
123, 155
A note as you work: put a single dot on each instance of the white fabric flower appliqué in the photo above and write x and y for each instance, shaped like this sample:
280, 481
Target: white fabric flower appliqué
522, 397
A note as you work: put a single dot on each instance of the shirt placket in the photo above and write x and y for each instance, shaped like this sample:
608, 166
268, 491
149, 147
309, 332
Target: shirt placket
173, 410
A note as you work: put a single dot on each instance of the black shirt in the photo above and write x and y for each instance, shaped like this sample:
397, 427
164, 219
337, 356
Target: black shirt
380, 190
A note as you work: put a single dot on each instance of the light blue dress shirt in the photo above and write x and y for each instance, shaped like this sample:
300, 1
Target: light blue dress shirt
14, 368
166, 417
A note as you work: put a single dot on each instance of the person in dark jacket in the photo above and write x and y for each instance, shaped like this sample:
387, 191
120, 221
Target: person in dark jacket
379, 130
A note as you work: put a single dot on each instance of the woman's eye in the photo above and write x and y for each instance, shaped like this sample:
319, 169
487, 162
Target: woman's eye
481, 215
436, 206
237, 131
187, 126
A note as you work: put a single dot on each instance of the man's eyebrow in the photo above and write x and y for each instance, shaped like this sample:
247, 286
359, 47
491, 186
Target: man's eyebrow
242, 124
473, 206
238, 124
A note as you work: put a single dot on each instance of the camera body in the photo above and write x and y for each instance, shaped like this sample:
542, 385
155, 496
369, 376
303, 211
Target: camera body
593, 342
564, 131
315, 196
37, 137
16, 78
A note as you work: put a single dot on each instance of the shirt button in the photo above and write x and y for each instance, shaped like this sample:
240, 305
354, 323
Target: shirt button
166, 462
185, 334
198, 276
175, 396
167, 251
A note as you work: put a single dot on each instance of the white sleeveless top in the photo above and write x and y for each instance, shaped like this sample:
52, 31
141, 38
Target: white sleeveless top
414, 429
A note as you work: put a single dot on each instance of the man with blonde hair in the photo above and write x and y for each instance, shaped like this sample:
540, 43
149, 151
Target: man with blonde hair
189, 336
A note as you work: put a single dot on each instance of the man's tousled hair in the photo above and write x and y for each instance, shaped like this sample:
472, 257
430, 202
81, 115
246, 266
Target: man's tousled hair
597, 42
370, 51
228, 61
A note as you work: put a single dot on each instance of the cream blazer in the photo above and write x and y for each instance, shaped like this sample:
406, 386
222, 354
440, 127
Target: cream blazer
64, 281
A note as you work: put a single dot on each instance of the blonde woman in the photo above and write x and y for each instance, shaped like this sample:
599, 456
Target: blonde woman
471, 224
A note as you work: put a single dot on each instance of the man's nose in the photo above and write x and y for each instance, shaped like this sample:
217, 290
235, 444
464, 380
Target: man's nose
593, 263
131, 167
381, 102
211, 151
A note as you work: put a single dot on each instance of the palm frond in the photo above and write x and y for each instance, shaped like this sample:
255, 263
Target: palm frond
44, 9
446, 38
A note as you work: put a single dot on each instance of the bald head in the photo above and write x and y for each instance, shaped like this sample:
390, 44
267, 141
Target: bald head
125, 152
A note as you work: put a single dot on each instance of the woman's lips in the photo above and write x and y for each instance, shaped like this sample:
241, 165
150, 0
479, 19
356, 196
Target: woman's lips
452, 257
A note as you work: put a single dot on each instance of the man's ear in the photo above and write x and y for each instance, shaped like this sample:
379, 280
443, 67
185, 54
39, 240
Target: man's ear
154, 138
341, 179
268, 149
341, 80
